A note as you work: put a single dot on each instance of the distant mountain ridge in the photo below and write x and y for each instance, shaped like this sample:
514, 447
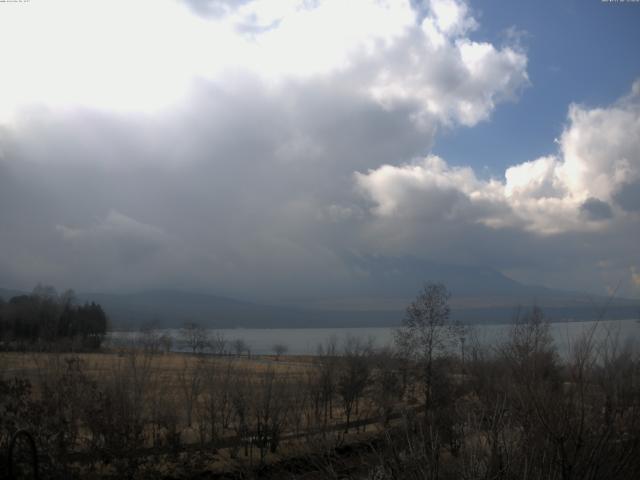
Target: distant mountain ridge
384, 288
168, 308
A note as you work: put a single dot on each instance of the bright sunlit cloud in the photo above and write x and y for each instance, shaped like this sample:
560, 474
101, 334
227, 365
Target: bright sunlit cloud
70, 53
143, 55
127, 56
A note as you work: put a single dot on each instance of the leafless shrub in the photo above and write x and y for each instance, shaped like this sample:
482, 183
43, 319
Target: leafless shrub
387, 385
268, 409
354, 376
190, 381
215, 406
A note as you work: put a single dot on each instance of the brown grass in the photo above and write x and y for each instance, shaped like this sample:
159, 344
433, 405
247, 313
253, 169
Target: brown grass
28, 364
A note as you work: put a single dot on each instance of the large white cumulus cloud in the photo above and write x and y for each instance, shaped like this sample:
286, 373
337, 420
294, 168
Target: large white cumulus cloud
390, 52
588, 185
445, 74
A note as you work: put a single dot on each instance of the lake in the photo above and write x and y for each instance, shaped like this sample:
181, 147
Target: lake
305, 341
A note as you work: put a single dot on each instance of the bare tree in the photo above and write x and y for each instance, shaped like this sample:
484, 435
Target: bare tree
218, 343
575, 420
166, 342
426, 330
149, 338
279, 349
194, 337
240, 346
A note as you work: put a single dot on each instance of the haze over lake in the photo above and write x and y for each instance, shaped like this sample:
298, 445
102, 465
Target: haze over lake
305, 341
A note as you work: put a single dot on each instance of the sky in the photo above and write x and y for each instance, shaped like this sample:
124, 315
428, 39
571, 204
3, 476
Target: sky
255, 148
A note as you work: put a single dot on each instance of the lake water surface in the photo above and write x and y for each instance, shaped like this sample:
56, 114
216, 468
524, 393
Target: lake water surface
305, 341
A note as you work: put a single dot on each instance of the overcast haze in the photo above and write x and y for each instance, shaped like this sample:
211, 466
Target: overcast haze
255, 149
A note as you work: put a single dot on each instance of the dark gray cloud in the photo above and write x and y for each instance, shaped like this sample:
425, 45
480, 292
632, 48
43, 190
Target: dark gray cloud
594, 209
230, 193
628, 196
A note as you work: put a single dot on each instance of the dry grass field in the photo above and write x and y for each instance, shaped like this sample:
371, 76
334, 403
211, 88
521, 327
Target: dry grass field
97, 364
187, 411
513, 411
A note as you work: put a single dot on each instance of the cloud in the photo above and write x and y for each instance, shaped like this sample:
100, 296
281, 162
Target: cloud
214, 8
386, 51
628, 196
581, 188
427, 188
226, 160
594, 209
130, 241
443, 74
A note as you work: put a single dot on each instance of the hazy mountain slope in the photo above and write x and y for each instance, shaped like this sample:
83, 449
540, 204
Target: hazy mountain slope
384, 288
391, 282
173, 308
393, 276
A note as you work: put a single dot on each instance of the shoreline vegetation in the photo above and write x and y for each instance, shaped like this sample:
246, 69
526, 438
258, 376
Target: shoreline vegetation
439, 404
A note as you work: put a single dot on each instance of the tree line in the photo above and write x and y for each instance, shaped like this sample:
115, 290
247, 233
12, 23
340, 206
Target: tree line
45, 317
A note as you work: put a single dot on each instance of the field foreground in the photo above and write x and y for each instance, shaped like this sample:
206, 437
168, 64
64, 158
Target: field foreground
506, 412
179, 413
